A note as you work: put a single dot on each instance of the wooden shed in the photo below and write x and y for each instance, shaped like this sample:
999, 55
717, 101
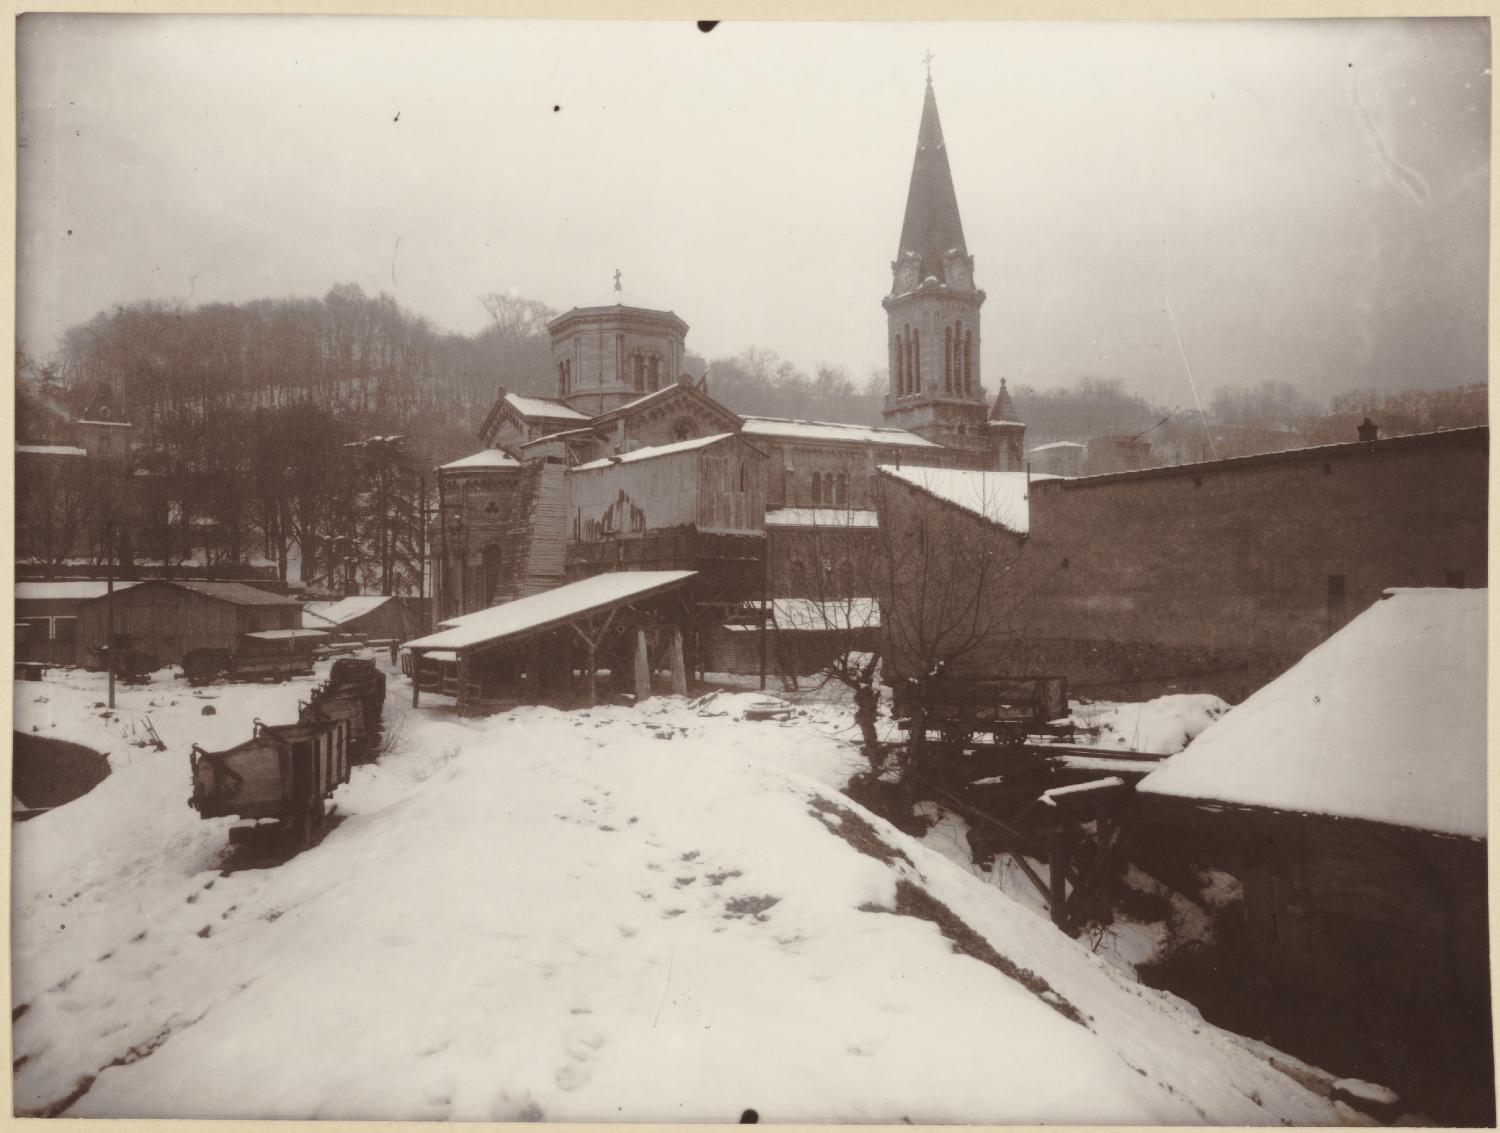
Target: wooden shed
47, 618
165, 620
369, 616
1347, 800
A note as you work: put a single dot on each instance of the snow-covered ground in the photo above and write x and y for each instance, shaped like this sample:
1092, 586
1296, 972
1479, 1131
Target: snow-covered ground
659, 913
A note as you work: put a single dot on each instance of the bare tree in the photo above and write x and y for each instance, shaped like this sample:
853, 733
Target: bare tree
951, 593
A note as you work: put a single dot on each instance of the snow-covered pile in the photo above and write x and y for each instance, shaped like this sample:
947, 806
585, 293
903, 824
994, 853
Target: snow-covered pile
1162, 726
1383, 721
616, 914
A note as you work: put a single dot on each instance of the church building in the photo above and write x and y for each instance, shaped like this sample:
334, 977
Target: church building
633, 464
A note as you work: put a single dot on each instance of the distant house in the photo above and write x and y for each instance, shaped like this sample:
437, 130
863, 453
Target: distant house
1347, 797
166, 620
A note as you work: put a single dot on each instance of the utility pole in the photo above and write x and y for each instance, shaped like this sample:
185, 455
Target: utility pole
109, 605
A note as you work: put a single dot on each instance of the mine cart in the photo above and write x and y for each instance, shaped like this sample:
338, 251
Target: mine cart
327, 704
360, 676
1010, 709
282, 772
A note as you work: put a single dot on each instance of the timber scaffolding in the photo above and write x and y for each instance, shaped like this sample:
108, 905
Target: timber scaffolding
536, 648
1065, 805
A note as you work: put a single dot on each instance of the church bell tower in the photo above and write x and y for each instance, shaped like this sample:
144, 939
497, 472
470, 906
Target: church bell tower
932, 312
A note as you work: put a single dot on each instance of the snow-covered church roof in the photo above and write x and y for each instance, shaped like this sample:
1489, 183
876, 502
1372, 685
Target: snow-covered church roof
999, 497
1384, 721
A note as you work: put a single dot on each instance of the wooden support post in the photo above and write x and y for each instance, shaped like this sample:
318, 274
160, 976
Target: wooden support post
642, 668
679, 674
593, 677
416, 679
462, 681
1057, 872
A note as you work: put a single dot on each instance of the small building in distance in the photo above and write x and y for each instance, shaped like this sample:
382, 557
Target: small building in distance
374, 617
163, 621
1346, 800
1060, 458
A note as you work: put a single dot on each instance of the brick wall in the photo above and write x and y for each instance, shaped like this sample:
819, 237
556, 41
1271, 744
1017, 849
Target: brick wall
1218, 576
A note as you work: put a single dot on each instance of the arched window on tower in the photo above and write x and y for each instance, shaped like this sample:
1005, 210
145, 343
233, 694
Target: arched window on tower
841, 490
969, 360
905, 361
959, 385
817, 488
638, 370
653, 372
916, 358
947, 359
562, 377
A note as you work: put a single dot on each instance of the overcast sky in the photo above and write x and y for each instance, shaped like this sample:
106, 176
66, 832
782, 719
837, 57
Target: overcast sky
1310, 197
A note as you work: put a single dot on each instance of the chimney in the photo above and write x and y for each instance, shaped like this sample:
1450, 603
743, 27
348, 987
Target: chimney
1368, 430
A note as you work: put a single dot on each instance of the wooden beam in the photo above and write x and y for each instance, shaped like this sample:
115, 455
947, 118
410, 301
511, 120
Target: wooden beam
1057, 871
642, 668
679, 674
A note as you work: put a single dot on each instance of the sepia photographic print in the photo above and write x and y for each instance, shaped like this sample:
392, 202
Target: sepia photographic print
663, 571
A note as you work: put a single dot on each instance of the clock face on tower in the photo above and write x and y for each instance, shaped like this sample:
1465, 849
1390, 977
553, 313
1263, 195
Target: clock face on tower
958, 274
906, 278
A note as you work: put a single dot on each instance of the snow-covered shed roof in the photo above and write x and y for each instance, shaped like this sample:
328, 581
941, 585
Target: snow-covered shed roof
345, 609
1384, 721
50, 450
999, 497
834, 614
821, 517
1058, 445
285, 634
550, 608
236, 593
485, 458
787, 429
68, 589
543, 407
654, 451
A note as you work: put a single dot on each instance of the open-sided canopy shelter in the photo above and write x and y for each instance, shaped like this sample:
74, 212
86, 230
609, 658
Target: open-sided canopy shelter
588, 608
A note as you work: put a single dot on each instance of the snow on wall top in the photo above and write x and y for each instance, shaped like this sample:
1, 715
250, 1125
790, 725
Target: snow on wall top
821, 517
783, 428
76, 589
51, 450
1056, 445
1384, 721
653, 451
560, 604
999, 497
485, 458
540, 407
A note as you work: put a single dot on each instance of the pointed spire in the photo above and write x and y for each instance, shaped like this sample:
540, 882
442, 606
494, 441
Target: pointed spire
932, 227
1004, 408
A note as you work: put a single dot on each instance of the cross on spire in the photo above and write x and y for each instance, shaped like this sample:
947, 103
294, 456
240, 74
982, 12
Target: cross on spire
617, 280
928, 60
